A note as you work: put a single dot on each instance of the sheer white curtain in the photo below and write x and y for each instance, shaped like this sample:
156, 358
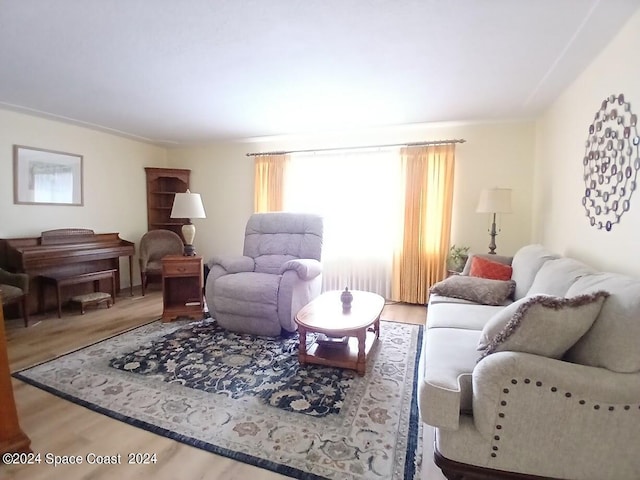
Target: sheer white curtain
358, 194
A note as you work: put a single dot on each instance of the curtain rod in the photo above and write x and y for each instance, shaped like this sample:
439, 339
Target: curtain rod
416, 144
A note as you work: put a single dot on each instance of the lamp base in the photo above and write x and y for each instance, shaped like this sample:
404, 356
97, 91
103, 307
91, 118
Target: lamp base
492, 234
189, 233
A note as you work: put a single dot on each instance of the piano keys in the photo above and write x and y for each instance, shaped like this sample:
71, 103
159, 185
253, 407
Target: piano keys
64, 252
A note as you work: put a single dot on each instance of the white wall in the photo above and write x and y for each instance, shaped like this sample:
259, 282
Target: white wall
495, 154
114, 181
499, 154
223, 176
559, 217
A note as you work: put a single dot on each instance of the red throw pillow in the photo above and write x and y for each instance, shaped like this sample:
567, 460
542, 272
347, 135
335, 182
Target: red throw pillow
481, 267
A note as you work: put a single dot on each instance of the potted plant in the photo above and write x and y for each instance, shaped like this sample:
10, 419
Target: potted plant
457, 257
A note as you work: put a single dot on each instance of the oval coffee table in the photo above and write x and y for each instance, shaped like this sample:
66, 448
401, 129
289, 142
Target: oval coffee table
352, 333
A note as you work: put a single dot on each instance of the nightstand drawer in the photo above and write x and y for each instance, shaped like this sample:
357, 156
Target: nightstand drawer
170, 268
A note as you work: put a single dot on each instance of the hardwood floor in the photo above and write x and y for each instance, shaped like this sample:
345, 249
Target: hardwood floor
59, 427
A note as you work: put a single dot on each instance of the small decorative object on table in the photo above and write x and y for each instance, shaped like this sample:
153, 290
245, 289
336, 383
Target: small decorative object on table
346, 297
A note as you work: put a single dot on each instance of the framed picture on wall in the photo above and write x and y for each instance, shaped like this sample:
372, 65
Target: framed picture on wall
46, 177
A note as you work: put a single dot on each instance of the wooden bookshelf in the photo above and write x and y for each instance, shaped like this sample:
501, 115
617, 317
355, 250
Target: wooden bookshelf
162, 185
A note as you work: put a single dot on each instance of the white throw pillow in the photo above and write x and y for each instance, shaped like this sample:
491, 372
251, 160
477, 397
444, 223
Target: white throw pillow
543, 324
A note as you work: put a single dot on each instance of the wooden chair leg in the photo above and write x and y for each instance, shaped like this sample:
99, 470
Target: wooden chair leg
25, 311
143, 282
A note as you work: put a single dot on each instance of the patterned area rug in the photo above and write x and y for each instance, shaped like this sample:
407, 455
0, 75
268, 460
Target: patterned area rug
247, 398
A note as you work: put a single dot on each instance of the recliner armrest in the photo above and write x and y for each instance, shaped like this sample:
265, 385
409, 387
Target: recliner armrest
232, 263
306, 268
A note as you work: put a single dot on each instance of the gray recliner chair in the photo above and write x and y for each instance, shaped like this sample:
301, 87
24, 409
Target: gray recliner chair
279, 272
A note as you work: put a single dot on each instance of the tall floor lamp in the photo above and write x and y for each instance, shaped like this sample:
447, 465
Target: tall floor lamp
188, 205
493, 201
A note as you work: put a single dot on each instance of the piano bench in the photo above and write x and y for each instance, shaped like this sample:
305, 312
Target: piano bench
60, 281
95, 298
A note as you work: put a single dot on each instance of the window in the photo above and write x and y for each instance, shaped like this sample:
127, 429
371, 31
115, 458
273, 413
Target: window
387, 213
358, 194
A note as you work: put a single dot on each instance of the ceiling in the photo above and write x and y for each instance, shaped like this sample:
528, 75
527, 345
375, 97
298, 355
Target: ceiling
195, 71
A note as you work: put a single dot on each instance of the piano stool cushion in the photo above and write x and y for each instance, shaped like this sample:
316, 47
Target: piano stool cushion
94, 298
10, 293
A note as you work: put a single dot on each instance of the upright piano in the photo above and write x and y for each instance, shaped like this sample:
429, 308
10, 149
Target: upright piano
68, 251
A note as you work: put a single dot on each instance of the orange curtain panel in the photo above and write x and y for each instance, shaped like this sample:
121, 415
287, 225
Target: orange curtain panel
269, 182
420, 260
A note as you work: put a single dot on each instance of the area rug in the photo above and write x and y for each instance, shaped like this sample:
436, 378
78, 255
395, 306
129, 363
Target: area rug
247, 398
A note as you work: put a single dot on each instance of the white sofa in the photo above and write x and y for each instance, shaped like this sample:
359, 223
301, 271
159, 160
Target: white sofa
520, 415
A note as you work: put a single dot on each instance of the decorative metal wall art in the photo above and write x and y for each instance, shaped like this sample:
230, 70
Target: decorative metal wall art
611, 162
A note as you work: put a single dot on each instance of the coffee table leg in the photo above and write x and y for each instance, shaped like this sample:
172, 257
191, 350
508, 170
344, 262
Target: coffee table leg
58, 298
302, 349
361, 365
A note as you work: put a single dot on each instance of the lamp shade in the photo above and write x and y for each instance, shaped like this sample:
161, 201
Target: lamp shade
187, 205
495, 200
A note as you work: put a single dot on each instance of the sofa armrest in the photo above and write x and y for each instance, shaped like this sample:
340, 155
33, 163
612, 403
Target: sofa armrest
232, 263
543, 395
537, 412
307, 269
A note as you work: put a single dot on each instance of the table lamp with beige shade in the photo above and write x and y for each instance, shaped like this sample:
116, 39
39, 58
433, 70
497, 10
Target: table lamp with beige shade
188, 205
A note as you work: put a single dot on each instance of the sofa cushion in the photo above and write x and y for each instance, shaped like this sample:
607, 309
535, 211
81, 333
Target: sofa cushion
542, 325
526, 263
556, 276
445, 383
481, 267
476, 289
614, 340
434, 299
470, 316
248, 294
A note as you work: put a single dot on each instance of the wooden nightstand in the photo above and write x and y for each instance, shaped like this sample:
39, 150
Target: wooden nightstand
182, 287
